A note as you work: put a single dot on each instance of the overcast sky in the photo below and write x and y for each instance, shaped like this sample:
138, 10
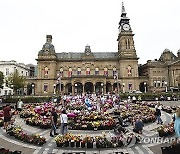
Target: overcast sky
75, 23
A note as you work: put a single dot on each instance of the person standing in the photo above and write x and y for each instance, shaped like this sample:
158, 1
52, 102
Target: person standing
7, 116
19, 105
158, 108
177, 123
64, 120
54, 117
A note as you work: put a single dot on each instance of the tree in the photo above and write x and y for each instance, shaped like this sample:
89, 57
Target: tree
16, 81
1, 79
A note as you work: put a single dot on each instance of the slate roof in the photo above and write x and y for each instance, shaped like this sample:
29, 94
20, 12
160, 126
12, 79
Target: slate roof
79, 55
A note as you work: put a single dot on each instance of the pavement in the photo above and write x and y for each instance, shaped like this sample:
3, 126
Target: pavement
50, 147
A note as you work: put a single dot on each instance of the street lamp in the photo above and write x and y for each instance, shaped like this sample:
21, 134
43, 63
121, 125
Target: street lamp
123, 87
145, 90
54, 88
102, 87
32, 89
166, 86
116, 77
12, 87
59, 81
75, 87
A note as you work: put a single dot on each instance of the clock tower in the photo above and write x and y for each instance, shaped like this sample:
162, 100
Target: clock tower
128, 60
125, 40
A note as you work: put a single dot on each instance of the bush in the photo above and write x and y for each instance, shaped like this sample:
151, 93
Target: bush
27, 99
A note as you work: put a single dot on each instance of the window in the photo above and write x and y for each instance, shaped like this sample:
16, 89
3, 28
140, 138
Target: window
79, 71
129, 69
114, 71
105, 71
130, 86
61, 72
155, 83
46, 72
88, 71
7, 71
158, 83
70, 72
96, 71
45, 88
5, 92
26, 73
127, 44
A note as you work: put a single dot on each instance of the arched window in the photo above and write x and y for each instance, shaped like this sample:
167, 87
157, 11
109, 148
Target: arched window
46, 71
105, 71
88, 71
129, 69
127, 41
45, 87
79, 71
70, 72
61, 72
96, 71
114, 71
155, 82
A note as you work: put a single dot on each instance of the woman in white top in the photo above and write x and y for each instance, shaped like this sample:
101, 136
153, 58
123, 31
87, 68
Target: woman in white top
64, 120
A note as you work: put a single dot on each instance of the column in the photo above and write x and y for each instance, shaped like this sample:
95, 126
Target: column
72, 89
104, 89
112, 88
83, 88
94, 88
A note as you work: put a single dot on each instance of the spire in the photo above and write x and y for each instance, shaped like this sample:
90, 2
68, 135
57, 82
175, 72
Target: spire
123, 13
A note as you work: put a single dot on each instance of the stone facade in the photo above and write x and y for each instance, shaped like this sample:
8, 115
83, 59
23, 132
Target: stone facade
9, 67
103, 72
87, 71
162, 74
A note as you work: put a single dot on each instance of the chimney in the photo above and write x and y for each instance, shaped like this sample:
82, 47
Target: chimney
48, 38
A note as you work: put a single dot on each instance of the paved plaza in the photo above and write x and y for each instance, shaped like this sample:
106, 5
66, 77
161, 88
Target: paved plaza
50, 147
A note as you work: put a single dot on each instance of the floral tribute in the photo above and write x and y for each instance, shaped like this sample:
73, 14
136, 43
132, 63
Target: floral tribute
1, 122
91, 121
166, 130
130, 112
70, 140
19, 134
37, 115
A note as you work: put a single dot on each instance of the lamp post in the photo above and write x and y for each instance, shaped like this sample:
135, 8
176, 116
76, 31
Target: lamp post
59, 81
12, 87
75, 87
165, 86
145, 90
102, 87
117, 81
123, 87
32, 89
54, 88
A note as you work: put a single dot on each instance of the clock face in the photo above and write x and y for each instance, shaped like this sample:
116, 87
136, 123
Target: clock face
126, 27
88, 52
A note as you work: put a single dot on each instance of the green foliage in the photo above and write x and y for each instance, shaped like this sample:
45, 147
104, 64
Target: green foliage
1, 79
16, 81
27, 99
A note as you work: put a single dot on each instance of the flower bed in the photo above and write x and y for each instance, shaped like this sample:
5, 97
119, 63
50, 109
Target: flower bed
70, 140
131, 112
37, 115
1, 122
7, 151
19, 134
166, 130
91, 121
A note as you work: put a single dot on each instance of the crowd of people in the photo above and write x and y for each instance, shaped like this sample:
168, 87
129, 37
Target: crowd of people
92, 102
